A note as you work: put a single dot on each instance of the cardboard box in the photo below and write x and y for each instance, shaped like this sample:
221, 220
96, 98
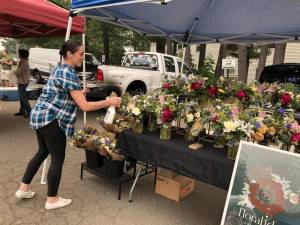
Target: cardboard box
175, 188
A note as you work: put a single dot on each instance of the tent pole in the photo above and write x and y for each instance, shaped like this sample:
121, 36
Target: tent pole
84, 73
70, 21
183, 59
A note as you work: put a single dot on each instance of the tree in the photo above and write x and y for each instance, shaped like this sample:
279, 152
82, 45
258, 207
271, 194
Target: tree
279, 53
262, 60
202, 53
105, 33
169, 47
222, 54
243, 63
188, 56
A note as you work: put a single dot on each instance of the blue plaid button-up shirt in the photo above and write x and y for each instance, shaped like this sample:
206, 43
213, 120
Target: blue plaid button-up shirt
55, 102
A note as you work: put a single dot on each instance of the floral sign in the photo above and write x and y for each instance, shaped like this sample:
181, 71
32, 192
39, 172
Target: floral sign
264, 189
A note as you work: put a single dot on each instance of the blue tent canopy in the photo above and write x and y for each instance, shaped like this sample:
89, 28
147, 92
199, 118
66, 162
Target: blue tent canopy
201, 21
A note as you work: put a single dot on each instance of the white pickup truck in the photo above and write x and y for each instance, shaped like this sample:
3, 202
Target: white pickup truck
140, 72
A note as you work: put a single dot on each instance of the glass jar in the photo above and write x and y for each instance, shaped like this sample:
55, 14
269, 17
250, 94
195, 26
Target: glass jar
165, 131
137, 126
188, 135
232, 148
152, 123
219, 138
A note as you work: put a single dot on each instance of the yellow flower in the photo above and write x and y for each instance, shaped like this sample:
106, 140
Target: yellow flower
189, 117
298, 98
272, 131
136, 111
263, 129
221, 91
253, 88
229, 126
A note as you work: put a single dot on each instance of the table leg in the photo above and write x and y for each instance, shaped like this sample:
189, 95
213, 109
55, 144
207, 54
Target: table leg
155, 176
135, 181
81, 172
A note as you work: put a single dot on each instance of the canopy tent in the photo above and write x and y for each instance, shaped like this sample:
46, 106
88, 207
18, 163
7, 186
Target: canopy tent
201, 21
38, 18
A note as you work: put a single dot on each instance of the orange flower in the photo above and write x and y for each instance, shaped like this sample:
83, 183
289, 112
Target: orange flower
263, 129
258, 136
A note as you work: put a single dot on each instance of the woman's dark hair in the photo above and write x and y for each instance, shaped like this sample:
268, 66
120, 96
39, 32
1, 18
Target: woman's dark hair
23, 53
69, 46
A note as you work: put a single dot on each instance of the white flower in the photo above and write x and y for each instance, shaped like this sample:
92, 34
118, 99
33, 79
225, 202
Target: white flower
231, 126
189, 117
247, 128
102, 140
136, 111
197, 114
294, 199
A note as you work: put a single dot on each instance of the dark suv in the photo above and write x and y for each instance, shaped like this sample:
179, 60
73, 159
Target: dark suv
282, 73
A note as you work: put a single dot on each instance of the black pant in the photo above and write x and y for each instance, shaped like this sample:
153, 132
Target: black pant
51, 141
24, 103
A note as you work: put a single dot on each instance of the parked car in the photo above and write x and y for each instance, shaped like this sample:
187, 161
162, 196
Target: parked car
139, 72
282, 73
42, 61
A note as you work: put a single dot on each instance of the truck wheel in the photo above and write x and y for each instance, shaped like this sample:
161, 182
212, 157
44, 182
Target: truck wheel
137, 88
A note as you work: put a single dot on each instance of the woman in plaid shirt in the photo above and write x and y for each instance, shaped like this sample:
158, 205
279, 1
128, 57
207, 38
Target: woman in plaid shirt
53, 119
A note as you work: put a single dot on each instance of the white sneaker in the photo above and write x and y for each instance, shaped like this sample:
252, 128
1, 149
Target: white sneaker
62, 202
24, 194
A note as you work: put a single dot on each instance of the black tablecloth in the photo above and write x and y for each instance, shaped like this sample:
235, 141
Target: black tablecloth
208, 164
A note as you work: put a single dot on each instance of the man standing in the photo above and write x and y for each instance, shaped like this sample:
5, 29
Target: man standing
23, 74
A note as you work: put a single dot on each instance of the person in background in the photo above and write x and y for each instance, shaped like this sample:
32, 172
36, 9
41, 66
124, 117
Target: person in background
23, 74
6, 62
53, 118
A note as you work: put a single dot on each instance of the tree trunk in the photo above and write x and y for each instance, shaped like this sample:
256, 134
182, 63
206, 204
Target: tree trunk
161, 45
262, 60
174, 48
279, 53
188, 56
169, 47
106, 43
243, 64
222, 55
202, 54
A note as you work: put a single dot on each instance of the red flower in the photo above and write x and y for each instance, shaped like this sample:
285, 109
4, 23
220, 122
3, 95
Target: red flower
167, 86
166, 115
196, 85
212, 91
215, 118
241, 95
267, 196
295, 137
285, 99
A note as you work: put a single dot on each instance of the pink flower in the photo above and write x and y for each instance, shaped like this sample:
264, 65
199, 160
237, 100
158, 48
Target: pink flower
197, 85
166, 115
234, 113
241, 94
212, 91
167, 86
295, 128
285, 99
161, 100
262, 115
295, 137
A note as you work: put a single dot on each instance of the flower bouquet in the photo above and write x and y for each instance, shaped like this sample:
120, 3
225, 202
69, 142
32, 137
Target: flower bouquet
84, 138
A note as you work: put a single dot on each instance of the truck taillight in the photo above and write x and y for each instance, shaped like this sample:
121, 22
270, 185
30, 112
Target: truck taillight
99, 75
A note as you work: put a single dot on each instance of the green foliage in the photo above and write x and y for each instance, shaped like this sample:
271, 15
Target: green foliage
118, 37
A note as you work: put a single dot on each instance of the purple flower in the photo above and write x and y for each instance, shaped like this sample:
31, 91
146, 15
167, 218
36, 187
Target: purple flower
292, 80
281, 111
288, 125
257, 125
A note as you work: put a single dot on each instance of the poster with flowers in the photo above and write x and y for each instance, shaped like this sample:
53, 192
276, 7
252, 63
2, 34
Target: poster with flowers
264, 189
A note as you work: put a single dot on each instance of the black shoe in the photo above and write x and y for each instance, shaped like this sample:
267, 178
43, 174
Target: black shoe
19, 114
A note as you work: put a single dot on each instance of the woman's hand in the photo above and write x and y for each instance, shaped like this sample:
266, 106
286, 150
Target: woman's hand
85, 90
114, 101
